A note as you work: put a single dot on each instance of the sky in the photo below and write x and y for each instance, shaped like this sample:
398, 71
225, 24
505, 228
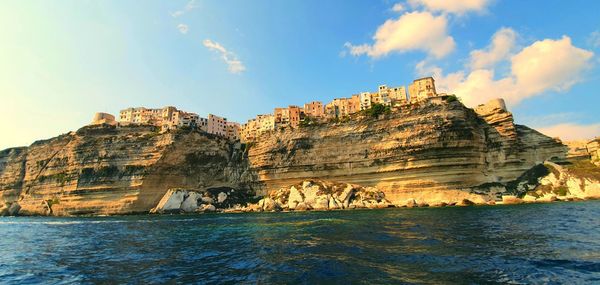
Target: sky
62, 61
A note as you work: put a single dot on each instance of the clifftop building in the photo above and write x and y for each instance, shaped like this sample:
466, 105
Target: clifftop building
422, 89
166, 118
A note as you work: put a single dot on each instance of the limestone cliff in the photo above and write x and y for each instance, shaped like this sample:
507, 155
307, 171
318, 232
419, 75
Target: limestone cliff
429, 151
115, 170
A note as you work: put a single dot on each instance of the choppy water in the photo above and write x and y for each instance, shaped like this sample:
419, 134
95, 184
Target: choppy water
542, 243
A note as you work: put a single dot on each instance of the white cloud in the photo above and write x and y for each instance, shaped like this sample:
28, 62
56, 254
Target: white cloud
571, 132
411, 31
233, 63
183, 28
503, 43
188, 7
451, 6
594, 39
544, 65
397, 7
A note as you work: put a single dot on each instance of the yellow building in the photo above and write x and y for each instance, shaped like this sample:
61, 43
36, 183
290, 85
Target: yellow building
233, 131
422, 89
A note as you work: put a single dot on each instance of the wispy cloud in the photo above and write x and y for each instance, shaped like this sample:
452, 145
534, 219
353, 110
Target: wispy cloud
188, 7
234, 65
455, 6
183, 28
594, 39
398, 7
572, 132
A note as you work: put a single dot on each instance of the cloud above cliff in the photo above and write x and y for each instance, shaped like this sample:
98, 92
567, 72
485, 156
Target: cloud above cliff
456, 6
234, 65
571, 131
545, 65
406, 33
503, 43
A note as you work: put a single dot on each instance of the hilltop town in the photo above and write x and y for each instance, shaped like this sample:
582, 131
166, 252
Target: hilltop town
170, 118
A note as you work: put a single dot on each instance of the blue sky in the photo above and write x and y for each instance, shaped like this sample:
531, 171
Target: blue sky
61, 61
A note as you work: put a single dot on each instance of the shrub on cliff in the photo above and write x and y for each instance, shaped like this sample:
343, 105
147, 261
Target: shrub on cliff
451, 98
377, 109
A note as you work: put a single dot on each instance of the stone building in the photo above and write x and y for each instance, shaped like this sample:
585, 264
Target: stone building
593, 148
103, 118
422, 89
398, 95
296, 115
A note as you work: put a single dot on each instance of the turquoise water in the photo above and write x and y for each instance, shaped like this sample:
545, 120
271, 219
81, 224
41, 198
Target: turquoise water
541, 243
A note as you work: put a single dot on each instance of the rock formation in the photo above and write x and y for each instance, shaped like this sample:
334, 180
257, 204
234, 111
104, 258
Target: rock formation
116, 170
322, 195
422, 154
593, 148
428, 152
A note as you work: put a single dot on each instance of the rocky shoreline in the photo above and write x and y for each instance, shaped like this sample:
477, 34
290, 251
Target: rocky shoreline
319, 195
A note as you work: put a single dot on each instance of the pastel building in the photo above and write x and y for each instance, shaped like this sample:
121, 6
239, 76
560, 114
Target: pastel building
338, 108
166, 118
257, 126
422, 89
289, 116
249, 130
217, 125
365, 100
314, 109
354, 104
233, 131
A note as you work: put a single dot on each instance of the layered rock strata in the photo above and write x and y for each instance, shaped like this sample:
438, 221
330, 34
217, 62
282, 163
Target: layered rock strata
428, 152
425, 153
116, 170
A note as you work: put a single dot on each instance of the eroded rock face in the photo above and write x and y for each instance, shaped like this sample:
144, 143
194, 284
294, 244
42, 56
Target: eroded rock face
322, 195
116, 170
593, 148
432, 154
195, 200
429, 152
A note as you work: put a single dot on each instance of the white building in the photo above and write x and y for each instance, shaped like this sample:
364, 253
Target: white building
365, 100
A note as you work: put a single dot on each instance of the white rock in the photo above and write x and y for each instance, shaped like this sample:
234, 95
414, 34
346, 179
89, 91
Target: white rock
333, 204
321, 203
221, 197
170, 201
310, 194
269, 204
190, 204
207, 200
294, 198
306, 184
208, 208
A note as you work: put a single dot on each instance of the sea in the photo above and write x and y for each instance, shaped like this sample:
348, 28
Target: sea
557, 243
